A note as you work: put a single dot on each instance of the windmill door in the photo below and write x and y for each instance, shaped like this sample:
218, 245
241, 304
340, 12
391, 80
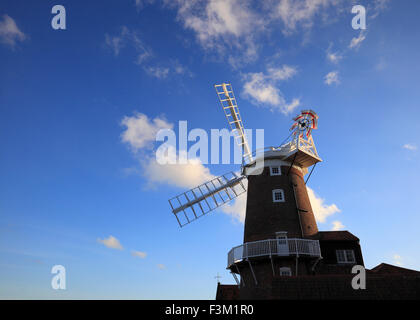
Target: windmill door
282, 245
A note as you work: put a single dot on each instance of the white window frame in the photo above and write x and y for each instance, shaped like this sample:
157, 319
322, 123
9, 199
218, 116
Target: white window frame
344, 253
284, 270
275, 174
282, 195
281, 235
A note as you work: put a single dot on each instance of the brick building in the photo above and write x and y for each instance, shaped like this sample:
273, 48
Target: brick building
284, 256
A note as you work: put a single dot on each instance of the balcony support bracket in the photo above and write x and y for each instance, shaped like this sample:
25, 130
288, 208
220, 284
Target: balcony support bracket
252, 271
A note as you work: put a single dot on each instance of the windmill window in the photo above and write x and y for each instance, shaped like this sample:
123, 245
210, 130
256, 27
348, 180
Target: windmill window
275, 171
285, 272
345, 256
278, 195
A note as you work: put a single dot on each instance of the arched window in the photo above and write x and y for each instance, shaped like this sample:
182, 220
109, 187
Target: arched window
285, 272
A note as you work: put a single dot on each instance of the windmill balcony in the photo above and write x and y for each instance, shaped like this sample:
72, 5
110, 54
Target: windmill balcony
274, 247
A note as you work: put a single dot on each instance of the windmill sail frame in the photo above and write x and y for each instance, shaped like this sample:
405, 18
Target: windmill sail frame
230, 107
195, 203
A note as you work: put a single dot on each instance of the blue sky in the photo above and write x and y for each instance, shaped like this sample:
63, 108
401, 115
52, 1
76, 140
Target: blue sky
79, 110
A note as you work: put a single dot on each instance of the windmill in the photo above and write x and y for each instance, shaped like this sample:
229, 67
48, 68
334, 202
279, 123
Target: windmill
280, 229
196, 202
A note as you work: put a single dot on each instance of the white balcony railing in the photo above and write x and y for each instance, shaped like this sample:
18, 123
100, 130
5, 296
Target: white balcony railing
274, 247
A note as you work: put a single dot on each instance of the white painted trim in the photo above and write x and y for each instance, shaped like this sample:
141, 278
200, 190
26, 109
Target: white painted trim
281, 234
275, 174
278, 191
273, 163
344, 252
286, 269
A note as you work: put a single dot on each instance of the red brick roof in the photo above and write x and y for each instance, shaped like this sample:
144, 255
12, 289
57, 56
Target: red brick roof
385, 268
227, 292
335, 236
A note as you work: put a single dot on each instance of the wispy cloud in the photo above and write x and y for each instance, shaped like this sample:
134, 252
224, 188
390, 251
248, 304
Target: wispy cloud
139, 254
337, 225
410, 146
298, 13
376, 7
222, 24
397, 260
10, 34
157, 72
331, 77
261, 89
357, 41
333, 56
180, 69
144, 57
140, 4
128, 38
111, 242
381, 64
171, 68
161, 266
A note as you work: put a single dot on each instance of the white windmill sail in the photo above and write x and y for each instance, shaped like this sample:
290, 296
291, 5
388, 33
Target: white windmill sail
195, 203
228, 101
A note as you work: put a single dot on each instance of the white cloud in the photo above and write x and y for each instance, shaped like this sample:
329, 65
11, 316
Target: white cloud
140, 131
140, 4
188, 175
261, 88
283, 73
111, 242
381, 64
172, 68
161, 266
126, 37
332, 77
337, 225
139, 254
397, 259
115, 43
158, 72
334, 57
319, 208
410, 146
356, 42
237, 208
216, 19
221, 25
179, 170
180, 69
10, 34
378, 7
294, 13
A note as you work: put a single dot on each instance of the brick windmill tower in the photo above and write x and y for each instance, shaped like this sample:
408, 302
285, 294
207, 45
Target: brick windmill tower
279, 220
283, 255
280, 226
